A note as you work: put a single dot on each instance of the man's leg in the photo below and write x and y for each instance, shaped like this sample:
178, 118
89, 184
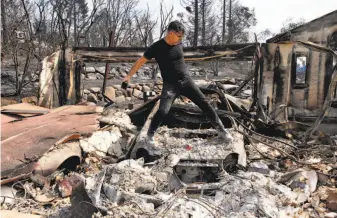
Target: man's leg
168, 95
191, 91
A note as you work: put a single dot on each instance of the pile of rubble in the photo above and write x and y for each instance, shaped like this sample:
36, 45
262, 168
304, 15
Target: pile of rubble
116, 72
119, 71
136, 91
119, 95
112, 172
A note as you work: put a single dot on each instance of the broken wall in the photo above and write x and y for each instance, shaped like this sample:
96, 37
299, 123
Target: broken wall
282, 86
322, 31
48, 80
59, 83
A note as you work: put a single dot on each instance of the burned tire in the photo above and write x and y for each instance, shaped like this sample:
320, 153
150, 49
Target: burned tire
230, 163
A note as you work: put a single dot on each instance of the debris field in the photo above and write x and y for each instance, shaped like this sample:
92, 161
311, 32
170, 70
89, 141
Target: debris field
104, 168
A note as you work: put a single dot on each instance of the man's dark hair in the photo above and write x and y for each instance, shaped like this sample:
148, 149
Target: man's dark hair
176, 26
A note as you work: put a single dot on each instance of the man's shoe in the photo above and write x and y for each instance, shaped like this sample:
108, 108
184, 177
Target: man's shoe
228, 138
150, 141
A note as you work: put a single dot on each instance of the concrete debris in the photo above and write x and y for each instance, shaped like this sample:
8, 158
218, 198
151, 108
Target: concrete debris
95, 89
123, 174
330, 215
92, 98
93, 186
118, 179
81, 204
110, 92
116, 117
306, 180
120, 99
332, 201
259, 167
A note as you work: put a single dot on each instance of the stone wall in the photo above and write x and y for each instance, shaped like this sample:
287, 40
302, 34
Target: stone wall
119, 95
119, 71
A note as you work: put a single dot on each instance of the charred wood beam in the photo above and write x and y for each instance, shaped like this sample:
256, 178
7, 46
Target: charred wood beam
325, 107
143, 132
279, 38
107, 65
256, 76
15, 178
22, 111
243, 84
146, 106
88, 59
143, 49
196, 54
195, 110
183, 113
193, 55
62, 78
78, 72
142, 111
223, 100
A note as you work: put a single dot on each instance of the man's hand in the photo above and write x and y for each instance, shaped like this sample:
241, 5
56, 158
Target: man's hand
135, 68
126, 82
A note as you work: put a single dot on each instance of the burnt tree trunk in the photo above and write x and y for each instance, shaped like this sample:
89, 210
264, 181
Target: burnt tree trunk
230, 24
203, 34
78, 72
62, 76
196, 23
75, 25
4, 23
223, 22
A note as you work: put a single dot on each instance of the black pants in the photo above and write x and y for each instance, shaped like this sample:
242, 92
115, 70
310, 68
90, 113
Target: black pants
189, 89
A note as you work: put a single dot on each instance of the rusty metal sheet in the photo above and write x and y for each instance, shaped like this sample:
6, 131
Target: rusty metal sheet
77, 109
34, 136
6, 118
26, 107
49, 162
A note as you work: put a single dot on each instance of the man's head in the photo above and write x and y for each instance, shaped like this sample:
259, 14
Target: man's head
175, 33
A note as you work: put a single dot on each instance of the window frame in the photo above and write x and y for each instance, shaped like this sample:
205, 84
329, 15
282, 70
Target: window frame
293, 70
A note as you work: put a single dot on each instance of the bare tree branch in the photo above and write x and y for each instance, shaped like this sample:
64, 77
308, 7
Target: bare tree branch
165, 18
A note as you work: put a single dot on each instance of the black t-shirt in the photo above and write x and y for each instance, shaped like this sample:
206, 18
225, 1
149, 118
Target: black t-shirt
170, 59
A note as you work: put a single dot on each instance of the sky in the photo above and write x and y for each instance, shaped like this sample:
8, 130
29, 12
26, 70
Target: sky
269, 13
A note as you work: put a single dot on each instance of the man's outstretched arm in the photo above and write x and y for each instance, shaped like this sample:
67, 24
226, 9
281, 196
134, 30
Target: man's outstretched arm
136, 66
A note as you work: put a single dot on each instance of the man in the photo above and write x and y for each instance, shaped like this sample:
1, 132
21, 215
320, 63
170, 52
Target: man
169, 55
